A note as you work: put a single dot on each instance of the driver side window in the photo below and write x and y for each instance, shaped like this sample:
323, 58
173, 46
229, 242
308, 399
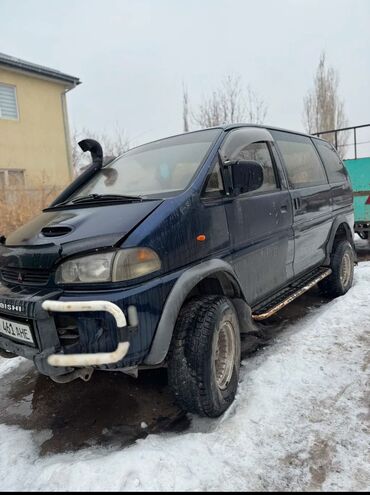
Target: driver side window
259, 152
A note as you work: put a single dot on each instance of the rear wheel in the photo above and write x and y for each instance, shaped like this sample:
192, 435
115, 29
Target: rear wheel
342, 265
204, 359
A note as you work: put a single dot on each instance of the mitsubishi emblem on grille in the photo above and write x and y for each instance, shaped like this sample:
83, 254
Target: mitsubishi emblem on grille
20, 278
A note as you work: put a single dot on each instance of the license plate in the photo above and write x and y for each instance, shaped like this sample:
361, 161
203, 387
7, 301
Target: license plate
16, 331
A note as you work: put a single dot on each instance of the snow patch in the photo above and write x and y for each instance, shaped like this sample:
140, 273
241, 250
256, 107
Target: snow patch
300, 422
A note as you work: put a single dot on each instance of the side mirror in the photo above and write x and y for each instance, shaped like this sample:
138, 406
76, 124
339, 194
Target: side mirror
247, 176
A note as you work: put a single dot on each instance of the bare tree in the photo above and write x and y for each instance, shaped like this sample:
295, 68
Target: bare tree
323, 107
228, 104
113, 146
256, 108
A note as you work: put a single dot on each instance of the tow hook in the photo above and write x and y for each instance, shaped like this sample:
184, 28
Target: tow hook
84, 374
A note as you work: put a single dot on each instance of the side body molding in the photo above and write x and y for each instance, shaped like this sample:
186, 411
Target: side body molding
186, 282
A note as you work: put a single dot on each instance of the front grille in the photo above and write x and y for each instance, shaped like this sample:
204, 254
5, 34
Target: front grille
24, 277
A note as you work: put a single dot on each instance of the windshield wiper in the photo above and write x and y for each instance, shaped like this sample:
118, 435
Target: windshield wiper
105, 197
101, 198
91, 198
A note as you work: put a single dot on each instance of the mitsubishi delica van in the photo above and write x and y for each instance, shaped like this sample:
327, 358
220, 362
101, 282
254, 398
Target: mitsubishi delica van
166, 255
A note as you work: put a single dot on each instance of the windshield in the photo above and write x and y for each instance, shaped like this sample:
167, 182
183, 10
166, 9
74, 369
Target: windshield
160, 169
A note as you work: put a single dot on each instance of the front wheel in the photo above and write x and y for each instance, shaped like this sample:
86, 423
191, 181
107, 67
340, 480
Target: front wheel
342, 265
204, 359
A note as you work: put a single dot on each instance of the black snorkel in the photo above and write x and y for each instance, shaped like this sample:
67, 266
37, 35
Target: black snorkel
96, 151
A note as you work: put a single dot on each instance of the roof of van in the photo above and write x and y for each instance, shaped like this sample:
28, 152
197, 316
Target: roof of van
228, 127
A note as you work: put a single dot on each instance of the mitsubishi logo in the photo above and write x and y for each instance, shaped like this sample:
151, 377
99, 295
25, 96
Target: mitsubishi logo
20, 277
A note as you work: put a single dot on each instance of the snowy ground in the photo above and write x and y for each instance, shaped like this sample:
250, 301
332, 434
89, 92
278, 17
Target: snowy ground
301, 421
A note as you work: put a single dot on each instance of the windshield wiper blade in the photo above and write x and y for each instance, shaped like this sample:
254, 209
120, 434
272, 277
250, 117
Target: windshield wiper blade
105, 197
69, 202
57, 205
92, 198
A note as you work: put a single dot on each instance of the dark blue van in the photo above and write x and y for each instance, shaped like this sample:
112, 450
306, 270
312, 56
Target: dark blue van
165, 255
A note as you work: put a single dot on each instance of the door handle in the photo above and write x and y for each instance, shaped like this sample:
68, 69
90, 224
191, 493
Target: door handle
283, 208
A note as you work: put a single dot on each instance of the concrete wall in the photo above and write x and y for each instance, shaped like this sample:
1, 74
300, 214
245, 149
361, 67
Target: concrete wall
36, 141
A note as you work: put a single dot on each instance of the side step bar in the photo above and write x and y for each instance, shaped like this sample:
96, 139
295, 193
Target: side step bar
289, 295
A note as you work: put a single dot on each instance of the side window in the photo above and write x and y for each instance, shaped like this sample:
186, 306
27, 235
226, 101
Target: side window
215, 185
302, 162
259, 152
333, 164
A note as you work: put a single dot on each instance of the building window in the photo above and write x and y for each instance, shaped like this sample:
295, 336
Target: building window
8, 102
11, 178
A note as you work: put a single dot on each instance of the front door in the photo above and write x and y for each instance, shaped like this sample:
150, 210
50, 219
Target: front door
260, 222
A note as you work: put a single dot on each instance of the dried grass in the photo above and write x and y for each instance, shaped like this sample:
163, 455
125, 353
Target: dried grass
18, 206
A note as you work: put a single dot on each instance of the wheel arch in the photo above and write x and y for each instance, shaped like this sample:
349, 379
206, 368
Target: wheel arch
210, 277
341, 230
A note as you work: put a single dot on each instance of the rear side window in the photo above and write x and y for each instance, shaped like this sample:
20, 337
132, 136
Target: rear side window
302, 162
333, 164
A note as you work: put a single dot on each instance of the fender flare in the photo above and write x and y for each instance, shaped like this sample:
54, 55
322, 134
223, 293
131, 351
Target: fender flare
341, 219
185, 283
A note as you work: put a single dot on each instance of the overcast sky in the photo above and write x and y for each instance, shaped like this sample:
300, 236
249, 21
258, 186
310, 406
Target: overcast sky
133, 55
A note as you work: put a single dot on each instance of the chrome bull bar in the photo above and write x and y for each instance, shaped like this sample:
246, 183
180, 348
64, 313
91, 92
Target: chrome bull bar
93, 359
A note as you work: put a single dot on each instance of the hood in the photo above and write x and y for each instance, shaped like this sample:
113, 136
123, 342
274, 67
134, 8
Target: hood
72, 230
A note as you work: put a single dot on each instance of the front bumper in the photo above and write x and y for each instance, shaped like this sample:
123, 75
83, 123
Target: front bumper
52, 358
62, 360
25, 305
98, 332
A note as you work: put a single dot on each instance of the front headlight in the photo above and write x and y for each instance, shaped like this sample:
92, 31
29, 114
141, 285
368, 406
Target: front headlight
116, 266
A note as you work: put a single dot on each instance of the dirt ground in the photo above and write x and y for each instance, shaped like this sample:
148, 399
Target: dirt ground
113, 409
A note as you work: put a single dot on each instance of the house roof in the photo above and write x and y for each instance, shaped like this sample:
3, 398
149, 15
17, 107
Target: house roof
37, 70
